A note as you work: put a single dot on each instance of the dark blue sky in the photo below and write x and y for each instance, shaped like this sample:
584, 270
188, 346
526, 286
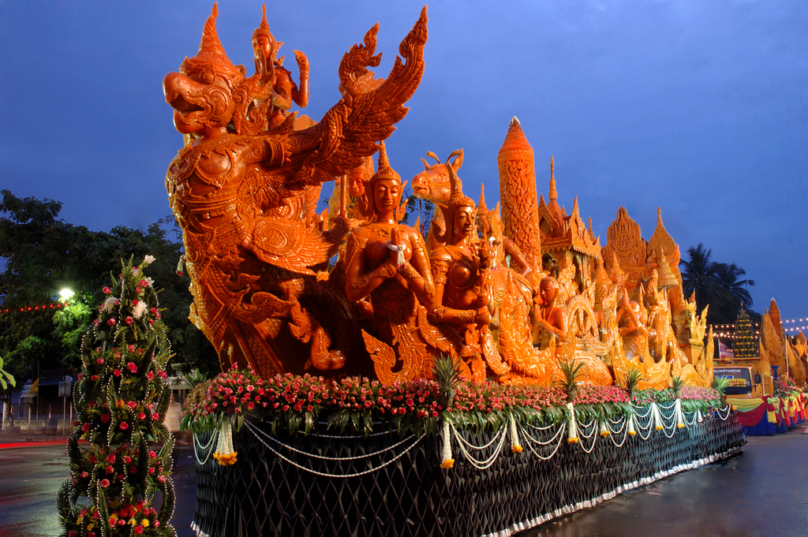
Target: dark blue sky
698, 107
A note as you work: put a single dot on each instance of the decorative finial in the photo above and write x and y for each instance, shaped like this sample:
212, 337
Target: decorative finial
211, 53
384, 171
553, 193
481, 206
264, 24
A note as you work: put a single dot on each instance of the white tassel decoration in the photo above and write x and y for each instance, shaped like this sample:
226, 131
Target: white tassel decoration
446, 450
572, 434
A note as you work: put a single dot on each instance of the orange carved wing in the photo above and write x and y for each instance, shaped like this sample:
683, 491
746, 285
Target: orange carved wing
292, 245
366, 114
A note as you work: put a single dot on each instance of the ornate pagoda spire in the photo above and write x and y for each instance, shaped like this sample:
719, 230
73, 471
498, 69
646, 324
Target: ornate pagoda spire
517, 192
553, 206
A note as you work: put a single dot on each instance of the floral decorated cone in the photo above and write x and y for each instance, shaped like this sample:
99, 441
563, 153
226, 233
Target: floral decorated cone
680, 417
121, 399
657, 417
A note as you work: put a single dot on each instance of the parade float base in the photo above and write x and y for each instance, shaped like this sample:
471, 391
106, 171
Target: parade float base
387, 485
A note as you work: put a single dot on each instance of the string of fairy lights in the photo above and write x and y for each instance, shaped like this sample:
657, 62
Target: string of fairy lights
790, 326
34, 308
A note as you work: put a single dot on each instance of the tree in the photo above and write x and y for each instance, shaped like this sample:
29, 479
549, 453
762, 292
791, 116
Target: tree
44, 254
121, 398
716, 284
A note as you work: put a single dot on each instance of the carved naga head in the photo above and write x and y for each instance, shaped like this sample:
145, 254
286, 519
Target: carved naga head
201, 94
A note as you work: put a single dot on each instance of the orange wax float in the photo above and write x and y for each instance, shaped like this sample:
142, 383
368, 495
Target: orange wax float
244, 189
513, 294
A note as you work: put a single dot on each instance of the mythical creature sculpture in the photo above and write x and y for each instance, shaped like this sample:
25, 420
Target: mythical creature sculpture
244, 190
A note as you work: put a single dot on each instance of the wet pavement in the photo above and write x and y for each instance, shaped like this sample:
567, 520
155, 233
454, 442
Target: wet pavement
762, 492
31, 476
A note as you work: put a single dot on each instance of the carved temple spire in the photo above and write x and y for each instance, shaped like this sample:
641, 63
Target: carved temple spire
517, 192
553, 193
553, 206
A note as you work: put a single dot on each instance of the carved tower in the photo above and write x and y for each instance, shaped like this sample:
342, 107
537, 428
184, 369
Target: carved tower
517, 191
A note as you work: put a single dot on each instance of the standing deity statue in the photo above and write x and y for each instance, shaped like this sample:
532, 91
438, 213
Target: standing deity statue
281, 89
463, 292
388, 274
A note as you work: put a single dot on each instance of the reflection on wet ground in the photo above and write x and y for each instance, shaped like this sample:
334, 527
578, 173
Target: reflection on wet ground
763, 492
31, 477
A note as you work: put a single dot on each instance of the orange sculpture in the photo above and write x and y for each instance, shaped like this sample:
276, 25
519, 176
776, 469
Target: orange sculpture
387, 263
463, 294
280, 89
517, 190
281, 288
244, 190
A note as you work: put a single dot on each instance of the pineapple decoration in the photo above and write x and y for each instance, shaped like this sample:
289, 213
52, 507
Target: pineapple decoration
121, 398
745, 342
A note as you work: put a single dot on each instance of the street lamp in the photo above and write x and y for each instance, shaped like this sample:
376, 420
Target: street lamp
66, 294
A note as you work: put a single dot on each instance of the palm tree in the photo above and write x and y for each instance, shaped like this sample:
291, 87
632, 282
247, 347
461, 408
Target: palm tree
699, 275
716, 284
727, 277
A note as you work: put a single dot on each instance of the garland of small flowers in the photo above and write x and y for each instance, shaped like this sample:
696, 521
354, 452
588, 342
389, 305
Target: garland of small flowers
308, 404
121, 397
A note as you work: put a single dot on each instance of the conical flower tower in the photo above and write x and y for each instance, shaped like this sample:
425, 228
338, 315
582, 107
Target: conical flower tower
517, 192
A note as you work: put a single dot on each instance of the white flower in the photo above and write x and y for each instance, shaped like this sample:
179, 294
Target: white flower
109, 303
139, 309
149, 281
148, 260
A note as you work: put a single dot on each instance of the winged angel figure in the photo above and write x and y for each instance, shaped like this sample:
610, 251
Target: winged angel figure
245, 194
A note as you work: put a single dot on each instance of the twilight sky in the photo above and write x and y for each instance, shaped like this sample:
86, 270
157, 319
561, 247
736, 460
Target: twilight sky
698, 107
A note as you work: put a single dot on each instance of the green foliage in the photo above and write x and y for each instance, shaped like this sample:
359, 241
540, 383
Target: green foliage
71, 323
447, 374
633, 377
718, 285
571, 371
44, 254
677, 383
6, 378
121, 399
720, 385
